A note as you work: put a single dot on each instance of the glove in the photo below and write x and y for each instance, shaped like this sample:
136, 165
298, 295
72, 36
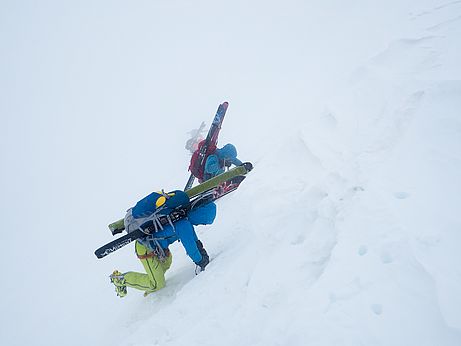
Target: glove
205, 258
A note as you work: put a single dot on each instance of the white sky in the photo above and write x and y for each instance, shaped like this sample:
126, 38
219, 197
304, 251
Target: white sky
96, 98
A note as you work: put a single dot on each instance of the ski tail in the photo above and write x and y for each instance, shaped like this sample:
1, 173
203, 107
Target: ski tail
116, 244
190, 182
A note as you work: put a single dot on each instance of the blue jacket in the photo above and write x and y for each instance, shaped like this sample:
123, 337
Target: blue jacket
216, 162
184, 232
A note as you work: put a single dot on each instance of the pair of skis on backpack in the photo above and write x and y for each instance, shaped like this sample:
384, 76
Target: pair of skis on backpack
209, 191
204, 193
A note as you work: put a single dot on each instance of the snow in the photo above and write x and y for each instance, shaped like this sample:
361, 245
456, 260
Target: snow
345, 233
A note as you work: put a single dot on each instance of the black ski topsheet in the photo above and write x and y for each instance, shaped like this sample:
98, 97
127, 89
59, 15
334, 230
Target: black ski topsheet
116, 244
212, 137
178, 214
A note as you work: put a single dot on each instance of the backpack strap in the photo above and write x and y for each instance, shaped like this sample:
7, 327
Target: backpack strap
165, 252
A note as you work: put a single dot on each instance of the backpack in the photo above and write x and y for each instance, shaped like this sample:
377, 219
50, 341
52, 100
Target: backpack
198, 159
153, 206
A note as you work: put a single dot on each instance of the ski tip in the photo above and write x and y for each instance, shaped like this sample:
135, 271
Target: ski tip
225, 104
248, 166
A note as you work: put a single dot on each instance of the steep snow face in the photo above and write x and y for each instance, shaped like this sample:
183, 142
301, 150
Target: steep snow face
346, 231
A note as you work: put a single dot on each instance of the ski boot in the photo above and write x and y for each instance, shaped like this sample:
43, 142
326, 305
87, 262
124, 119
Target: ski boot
118, 280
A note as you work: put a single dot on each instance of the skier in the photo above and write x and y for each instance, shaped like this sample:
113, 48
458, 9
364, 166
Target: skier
153, 250
215, 162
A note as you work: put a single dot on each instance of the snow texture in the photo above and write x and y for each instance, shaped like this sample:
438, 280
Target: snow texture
347, 231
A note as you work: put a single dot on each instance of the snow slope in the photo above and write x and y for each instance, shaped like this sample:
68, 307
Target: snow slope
345, 233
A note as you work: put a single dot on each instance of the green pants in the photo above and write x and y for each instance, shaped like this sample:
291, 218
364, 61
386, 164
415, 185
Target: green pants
155, 269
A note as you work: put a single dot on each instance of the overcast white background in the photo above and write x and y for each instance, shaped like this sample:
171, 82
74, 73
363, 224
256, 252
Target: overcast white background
97, 97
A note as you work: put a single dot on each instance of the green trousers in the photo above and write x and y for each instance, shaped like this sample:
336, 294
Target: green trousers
155, 269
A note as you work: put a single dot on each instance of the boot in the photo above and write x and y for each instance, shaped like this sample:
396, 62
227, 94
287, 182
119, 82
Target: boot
118, 280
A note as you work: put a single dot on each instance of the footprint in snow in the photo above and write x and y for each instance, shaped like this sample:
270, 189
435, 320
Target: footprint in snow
401, 195
362, 250
377, 308
386, 258
329, 120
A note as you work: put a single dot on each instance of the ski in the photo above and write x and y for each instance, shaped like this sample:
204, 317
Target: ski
199, 200
209, 144
118, 226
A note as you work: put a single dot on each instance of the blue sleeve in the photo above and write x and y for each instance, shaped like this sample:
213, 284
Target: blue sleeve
204, 215
213, 166
186, 234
